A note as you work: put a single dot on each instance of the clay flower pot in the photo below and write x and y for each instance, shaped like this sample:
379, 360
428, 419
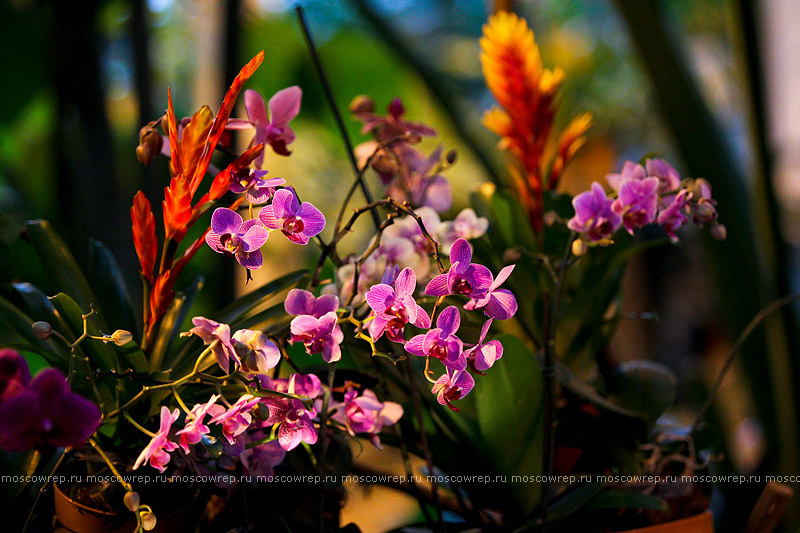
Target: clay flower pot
79, 518
701, 523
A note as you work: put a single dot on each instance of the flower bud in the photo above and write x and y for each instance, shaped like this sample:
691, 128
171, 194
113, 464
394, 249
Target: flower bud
700, 188
43, 330
550, 218
719, 232
705, 212
150, 142
579, 247
131, 500
121, 337
512, 255
261, 412
451, 156
148, 520
362, 104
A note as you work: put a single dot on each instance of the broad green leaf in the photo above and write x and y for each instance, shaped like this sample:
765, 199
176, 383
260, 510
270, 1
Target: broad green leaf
509, 402
107, 280
39, 305
171, 322
20, 323
247, 303
573, 500
66, 275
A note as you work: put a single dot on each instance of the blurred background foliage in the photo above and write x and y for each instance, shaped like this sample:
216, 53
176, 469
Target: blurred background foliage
702, 82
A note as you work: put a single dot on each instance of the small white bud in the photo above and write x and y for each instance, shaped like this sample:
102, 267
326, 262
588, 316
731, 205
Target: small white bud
121, 337
131, 500
148, 520
579, 247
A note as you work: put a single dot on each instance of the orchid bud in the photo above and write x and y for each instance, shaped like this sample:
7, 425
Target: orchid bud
43, 330
362, 104
165, 124
701, 188
396, 108
550, 218
512, 255
148, 520
451, 156
131, 500
704, 212
121, 337
261, 412
150, 142
579, 247
719, 232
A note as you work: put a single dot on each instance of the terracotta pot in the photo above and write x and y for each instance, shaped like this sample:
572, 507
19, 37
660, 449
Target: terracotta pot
701, 523
79, 518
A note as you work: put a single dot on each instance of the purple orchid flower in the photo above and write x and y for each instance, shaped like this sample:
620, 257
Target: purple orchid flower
194, 429
299, 222
211, 331
14, 373
464, 277
366, 414
295, 421
630, 170
484, 354
230, 235
273, 129
394, 307
498, 303
256, 353
392, 125
451, 386
467, 225
319, 335
44, 411
236, 419
593, 214
672, 216
668, 177
441, 342
157, 451
300, 302
251, 181
637, 202
260, 461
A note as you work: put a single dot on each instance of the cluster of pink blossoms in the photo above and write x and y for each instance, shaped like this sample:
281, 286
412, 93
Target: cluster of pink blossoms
644, 195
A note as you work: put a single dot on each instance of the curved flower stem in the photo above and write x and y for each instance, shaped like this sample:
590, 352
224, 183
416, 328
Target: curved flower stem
743, 336
180, 401
135, 424
125, 484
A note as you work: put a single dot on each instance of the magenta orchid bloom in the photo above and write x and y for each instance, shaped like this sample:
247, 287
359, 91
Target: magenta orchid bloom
256, 353
251, 181
14, 373
300, 302
299, 222
319, 335
467, 225
668, 177
630, 170
498, 303
42, 411
441, 342
464, 277
593, 214
366, 414
394, 307
484, 354
230, 235
157, 452
392, 125
637, 202
236, 419
451, 386
274, 129
194, 430
672, 216
260, 461
211, 331
295, 421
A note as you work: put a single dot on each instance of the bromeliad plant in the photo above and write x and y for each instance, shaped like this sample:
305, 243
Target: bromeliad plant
394, 319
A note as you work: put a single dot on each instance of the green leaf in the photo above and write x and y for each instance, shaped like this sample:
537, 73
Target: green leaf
58, 261
172, 321
509, 403
247, 303
645, 387
624, 499
573, 501
39, 305
107, 280
20, 323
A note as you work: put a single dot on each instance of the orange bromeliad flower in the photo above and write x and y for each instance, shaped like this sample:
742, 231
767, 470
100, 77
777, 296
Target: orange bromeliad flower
527, 94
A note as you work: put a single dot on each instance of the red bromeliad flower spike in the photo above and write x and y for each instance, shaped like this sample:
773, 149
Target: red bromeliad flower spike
144, 234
